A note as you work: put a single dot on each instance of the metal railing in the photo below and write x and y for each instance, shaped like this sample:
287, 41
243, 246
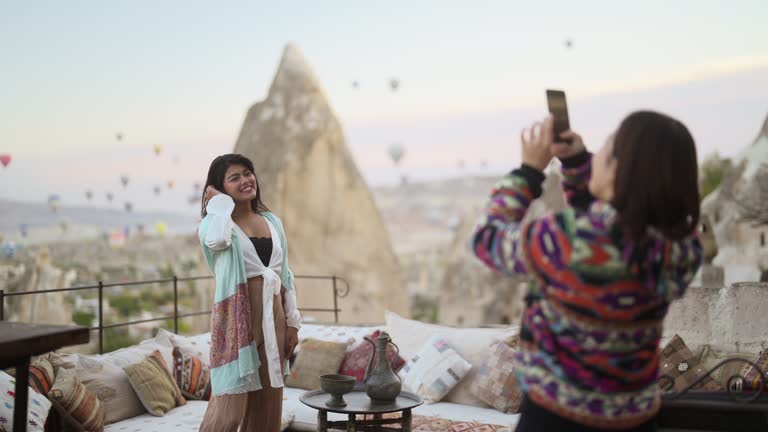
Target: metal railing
338, 292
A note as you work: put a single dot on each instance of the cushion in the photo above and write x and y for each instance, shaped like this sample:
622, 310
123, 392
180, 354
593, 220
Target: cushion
41, 375
496, 383
752, 376
435, 370
356, 361
470, 343
316, 358
353, 336
198, 345
192, 376
38, 406
106, 380
684, 368
153, 384
76, 400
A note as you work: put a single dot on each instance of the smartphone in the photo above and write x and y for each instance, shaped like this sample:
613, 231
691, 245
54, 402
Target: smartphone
559, 110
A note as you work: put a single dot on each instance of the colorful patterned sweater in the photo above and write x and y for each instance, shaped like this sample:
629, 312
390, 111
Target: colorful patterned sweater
594, 310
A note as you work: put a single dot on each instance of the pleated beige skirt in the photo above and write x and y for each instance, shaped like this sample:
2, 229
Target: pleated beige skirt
256, 411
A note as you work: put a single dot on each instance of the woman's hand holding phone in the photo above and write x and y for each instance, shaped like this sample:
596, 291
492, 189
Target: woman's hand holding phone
563, 150
537, 144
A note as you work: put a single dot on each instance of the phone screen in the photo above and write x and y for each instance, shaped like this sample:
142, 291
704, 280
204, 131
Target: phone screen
559, 110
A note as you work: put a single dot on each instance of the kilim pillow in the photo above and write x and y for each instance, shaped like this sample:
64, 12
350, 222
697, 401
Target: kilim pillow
38, 406
41, 375
316, 358
752, 375
435, 370
679, 363
192, 376
356, 361
81, 404
495, 382
154, 385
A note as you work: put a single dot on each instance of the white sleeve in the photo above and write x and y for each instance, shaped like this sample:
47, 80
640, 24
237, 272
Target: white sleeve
219, 209
292, 315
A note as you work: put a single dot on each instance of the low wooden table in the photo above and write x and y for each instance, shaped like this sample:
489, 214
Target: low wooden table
19, 342
358, 403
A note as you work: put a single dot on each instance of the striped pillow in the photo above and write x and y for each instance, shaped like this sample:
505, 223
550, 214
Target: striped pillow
80, 403
41, 376
154, 385
192, 376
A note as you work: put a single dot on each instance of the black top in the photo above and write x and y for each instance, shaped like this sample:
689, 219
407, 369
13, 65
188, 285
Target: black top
263, 247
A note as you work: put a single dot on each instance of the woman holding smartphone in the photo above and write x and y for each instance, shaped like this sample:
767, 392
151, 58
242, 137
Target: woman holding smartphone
255, 322
604, 270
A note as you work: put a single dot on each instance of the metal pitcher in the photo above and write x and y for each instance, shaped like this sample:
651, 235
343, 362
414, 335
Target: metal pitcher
382, 384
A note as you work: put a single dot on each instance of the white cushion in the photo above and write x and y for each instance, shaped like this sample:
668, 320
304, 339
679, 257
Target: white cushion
471, 343
353, 336
136, 353
38, 406
435, 370
197, 345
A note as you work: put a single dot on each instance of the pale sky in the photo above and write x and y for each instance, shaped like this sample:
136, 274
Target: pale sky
183, 73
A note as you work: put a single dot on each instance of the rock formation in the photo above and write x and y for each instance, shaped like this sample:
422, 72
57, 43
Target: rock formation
50, 308
742, 245
474, 295
309, 178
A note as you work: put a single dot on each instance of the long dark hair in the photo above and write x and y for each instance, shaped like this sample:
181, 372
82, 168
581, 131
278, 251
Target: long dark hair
216, 174
656, 181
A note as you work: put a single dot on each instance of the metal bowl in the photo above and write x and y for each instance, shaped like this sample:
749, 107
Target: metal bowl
337, 386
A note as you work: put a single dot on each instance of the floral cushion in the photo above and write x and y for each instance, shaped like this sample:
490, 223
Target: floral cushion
198, 346
38, 406
435, 370
679, 364
496, 383
192, 375
356, 361
81, 404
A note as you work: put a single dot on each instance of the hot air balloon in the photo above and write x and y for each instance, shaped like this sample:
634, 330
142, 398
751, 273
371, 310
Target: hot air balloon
128, 207
88, 195
54, 200
5, 159
157, 190
124, 179
140, 229
157, 149
193, 199
161, 228
119, 136
569, 43
170, 184
110, 196
394, 84
196, 186
23, 230
355, 84
396, 152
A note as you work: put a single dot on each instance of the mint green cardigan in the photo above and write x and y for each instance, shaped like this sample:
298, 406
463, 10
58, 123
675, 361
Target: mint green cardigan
234, 358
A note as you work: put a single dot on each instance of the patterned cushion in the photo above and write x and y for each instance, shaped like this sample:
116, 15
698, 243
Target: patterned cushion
198, 346
37, 405
684, 368
496, 383
437, 424
752, 376
82, 405
435, 370
154, 385
356, 361
316, 358
192, 376
106, 380
41, 375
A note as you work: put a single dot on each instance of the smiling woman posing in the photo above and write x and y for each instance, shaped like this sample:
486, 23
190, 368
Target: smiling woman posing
255, 322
